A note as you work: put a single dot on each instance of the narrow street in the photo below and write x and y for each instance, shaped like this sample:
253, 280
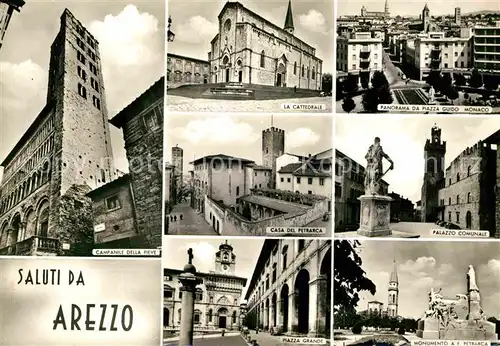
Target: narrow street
192, 223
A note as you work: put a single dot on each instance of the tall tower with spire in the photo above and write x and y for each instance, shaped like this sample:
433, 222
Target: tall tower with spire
426, 18
386, 8
289, 19
392, 303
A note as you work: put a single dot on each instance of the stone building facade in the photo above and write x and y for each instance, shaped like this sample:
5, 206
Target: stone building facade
467, 194
308, 175
142, 125
7, 8
463, 194
114, 216
250, 49
182, 70
290, 289
68, 145
494, 139
217, 299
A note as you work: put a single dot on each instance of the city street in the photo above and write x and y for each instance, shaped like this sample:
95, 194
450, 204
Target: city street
192, 223
186, 104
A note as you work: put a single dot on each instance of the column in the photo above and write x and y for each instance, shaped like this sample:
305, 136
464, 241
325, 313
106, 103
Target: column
293, 314
271, 315
266, 317
189, 282
313, 307
324, 306
280, 314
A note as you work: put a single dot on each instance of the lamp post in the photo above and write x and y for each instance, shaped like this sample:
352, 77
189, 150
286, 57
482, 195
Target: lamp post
170, 34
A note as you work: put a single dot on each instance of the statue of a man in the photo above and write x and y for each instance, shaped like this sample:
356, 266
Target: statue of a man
374, 169
471, 278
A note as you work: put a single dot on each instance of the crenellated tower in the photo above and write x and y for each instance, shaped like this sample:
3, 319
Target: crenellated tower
273, 146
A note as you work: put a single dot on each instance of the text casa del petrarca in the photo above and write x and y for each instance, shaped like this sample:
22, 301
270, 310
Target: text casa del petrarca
88, 317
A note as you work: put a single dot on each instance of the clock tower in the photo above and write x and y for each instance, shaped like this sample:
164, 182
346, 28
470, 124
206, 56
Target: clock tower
434, 152
225, 259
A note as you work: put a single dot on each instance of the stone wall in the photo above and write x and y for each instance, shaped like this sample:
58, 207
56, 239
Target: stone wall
118, 223
144, 148
214, 214
233, 224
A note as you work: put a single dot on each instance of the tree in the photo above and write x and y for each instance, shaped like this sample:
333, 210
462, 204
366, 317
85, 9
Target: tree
346, 318
384, 95
460, 79
452, 94
490, 83
434, 79
379, 80
476, 80
357, 329
445, 84
349, 278
365, 80
370, 101
339, 90
348, 104
77, 221
326, 83
351, 84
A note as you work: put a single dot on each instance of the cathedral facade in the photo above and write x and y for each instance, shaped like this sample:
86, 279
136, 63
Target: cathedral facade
217, 299
250, 49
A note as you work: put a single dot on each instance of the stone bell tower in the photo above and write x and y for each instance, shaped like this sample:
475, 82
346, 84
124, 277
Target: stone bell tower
393, 290
225, 259
434, 153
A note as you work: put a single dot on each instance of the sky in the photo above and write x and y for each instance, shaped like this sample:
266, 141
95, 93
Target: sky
131, 38
246, 251
134, 282
241, 135
403, 139
195, 24
414, 8
439, 264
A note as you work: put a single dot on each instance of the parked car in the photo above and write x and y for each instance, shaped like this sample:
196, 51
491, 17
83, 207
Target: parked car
450, 225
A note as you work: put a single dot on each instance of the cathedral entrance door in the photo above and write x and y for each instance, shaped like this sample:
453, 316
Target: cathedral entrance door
278, 81
222, 321
240, 76
227, 75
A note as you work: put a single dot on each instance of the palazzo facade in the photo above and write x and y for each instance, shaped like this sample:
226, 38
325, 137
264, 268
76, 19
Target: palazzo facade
290, 289
217, 299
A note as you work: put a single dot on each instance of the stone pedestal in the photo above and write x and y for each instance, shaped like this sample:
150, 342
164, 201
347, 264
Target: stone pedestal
375, 216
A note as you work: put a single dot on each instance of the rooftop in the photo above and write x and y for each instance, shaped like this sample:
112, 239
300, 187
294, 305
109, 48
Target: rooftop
221, 157
121, 181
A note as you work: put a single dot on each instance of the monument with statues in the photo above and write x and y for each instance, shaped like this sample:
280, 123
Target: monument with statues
375, 206
461, 318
